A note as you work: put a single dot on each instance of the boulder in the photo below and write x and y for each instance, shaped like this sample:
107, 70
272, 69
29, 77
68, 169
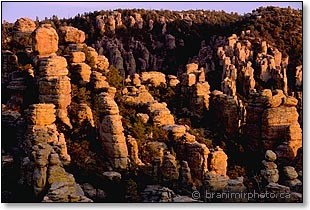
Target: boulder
45, 40
69, 34
290, 172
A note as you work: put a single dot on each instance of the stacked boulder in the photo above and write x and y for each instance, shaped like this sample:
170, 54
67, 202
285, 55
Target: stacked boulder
111, 134
272, 117
229, 77
195, 87
288, 149
270, 172
47, 153
45, 40
248, 79
17, 82
73, 37
98, 81
82, 58
215, 179
54, 84
185, 178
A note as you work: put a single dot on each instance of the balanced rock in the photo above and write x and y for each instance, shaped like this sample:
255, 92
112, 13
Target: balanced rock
45, 40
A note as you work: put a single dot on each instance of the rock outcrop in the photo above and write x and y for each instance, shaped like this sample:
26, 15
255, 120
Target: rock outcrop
138, 95
23, 27
153, 78
54, 84
218, 161
169, 169
9, 63
111, 134
273, 118
225, 113
85, 115
47, 153
196, 155
133, 150
98, 81
185, 177
159, 113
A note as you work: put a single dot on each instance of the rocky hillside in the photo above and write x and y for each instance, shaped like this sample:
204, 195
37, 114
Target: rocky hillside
152, 106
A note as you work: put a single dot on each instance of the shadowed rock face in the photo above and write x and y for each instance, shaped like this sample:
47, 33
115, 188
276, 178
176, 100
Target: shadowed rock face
23, 27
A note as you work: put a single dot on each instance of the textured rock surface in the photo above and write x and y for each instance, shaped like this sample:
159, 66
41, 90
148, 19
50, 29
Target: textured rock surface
273, 120
218, 161
111, 134
169, 169
82, 71
9, 63
270, 155
85, 115
23, 27
176, 131
93, 193
54, 85
103, 63
98, 81
47, 152
154, 78
133, 150
77, 57
199, 99
45, 40
274, 124
270, 171
214, 182
185, 177
138, 95
159, 113
69, 34
196, 155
